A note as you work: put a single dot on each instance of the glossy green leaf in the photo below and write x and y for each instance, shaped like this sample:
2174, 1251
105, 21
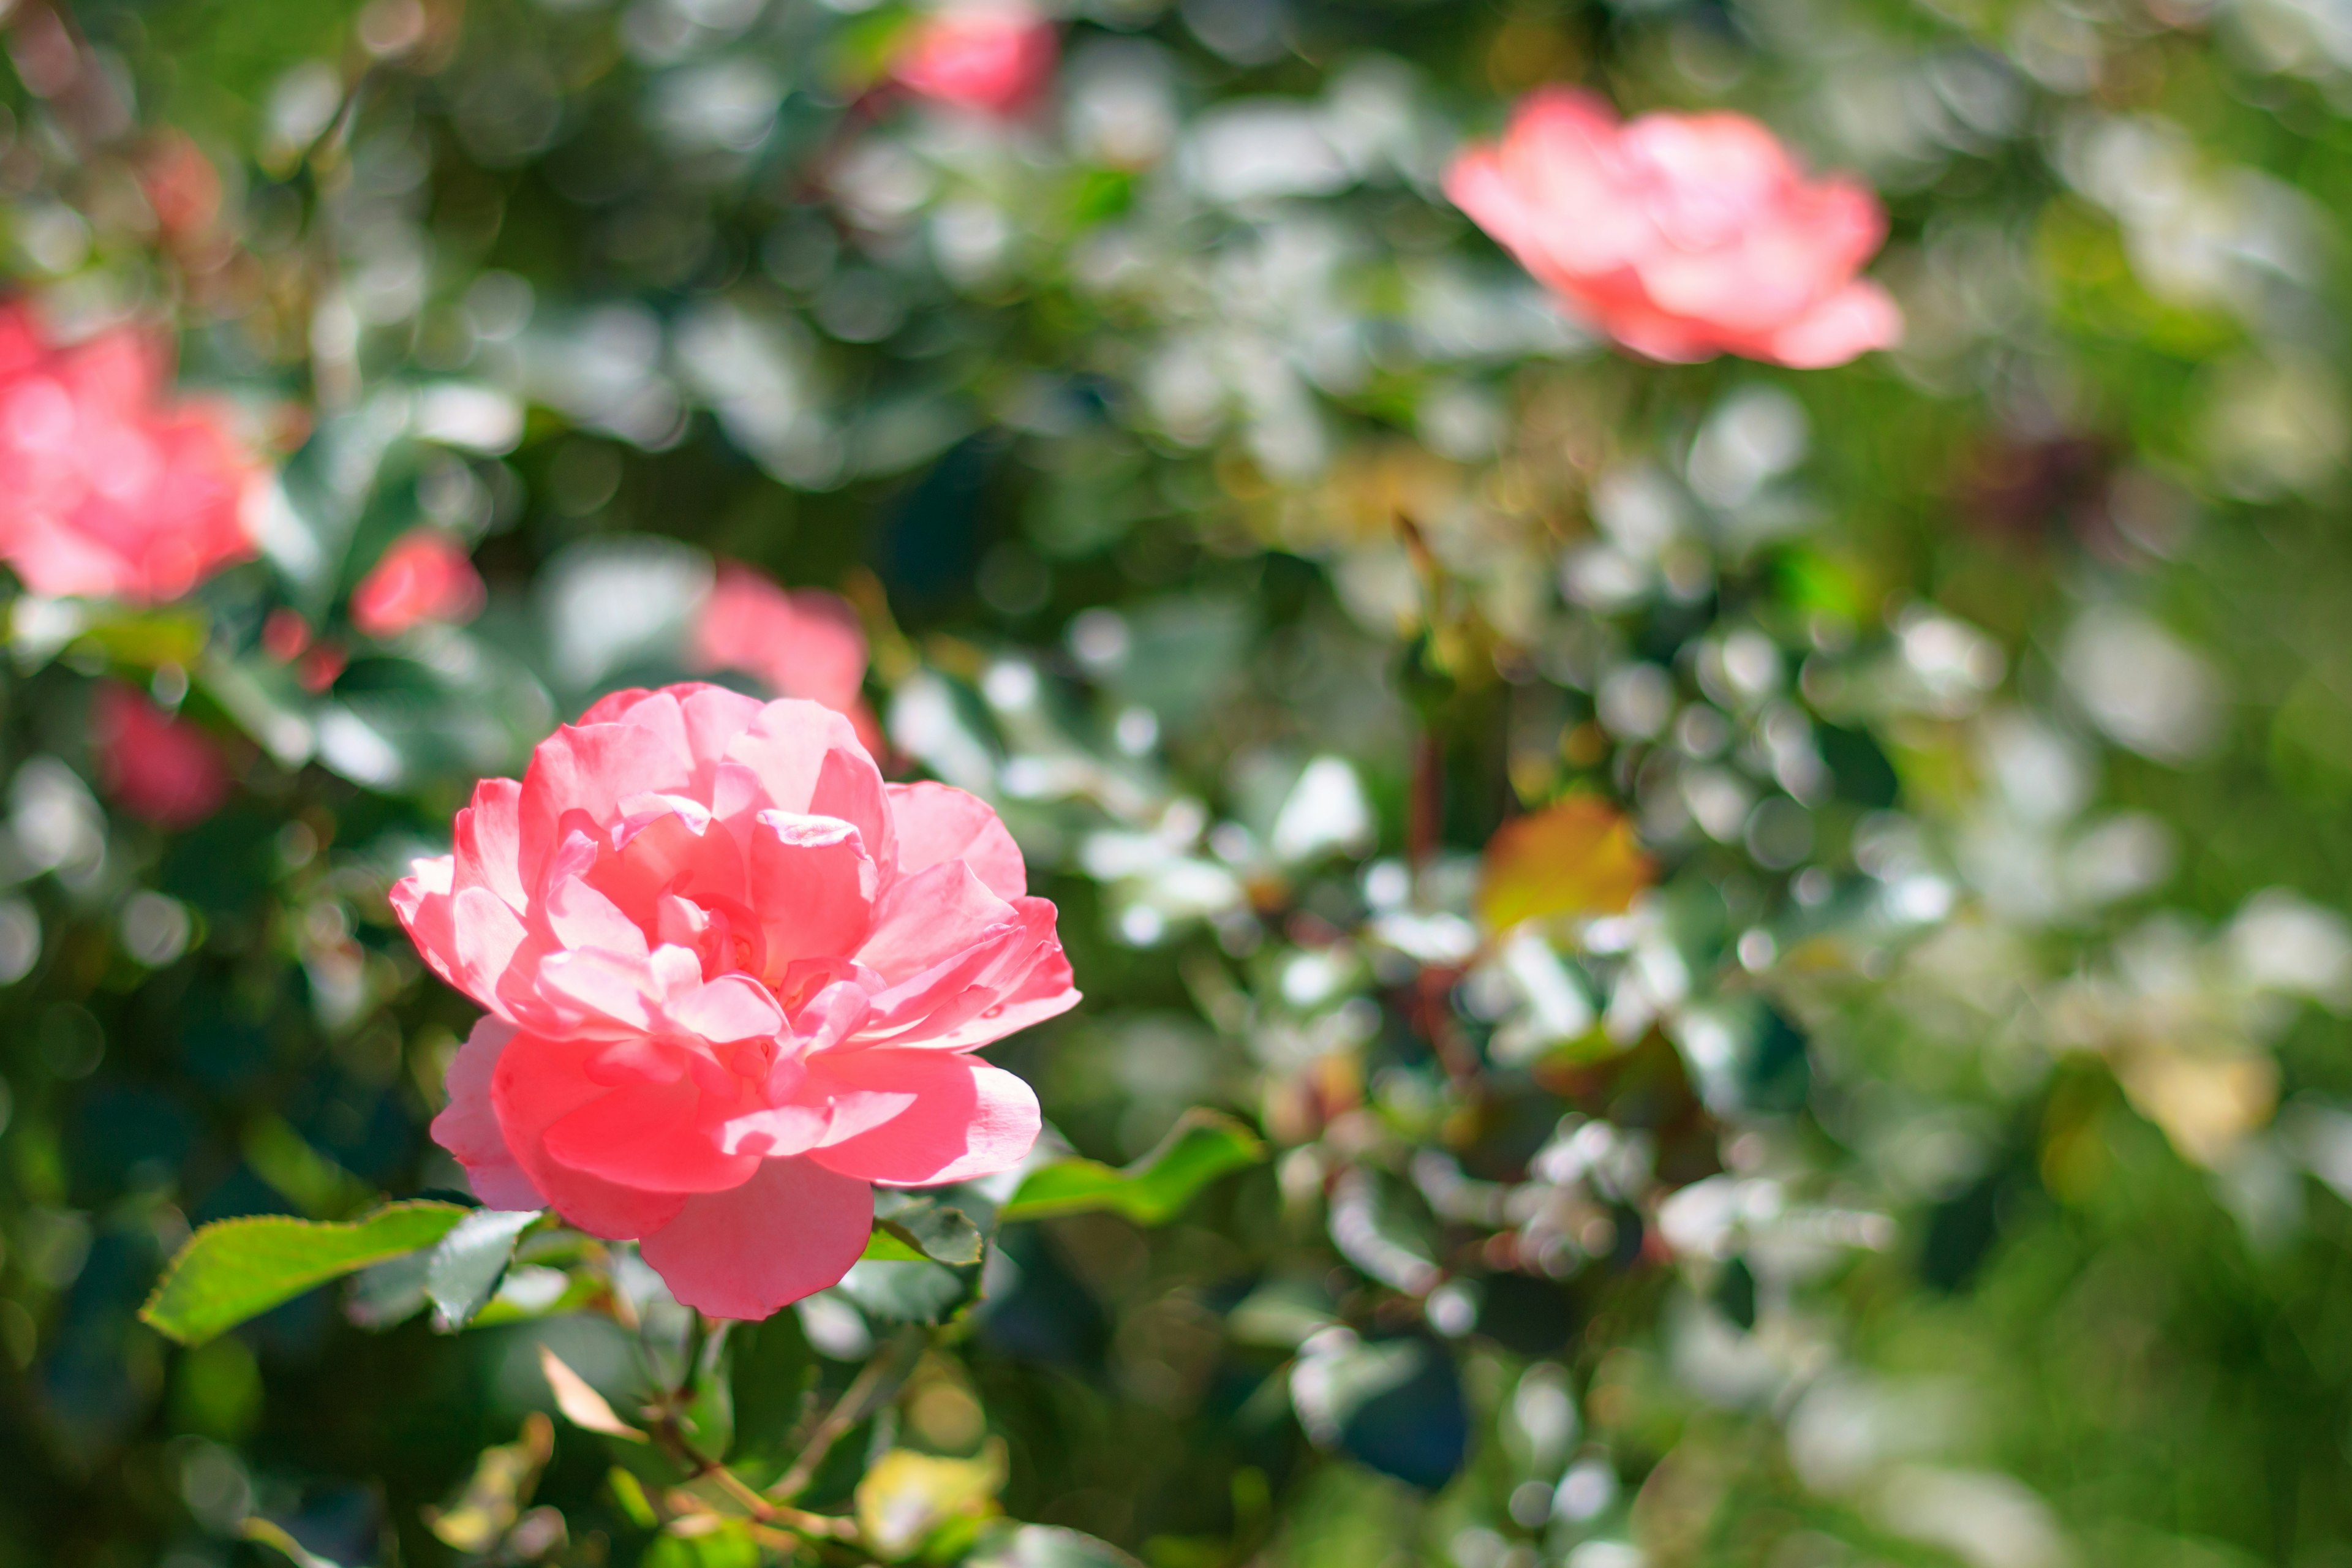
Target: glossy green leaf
468, 1262
930, 1228
236, 1269
1202, 1146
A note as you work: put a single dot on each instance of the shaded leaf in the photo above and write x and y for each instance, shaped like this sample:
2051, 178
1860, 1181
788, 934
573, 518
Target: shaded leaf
238, 1268
582, 1405
465, 1266
498, 1490
882, 1246
923, 1292
1200, 1147
1576, 857
389, 1293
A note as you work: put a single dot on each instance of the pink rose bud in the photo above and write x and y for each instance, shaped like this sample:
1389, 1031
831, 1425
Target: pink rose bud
995, 60
425, 576
1682, 236
153, 764
107, 489
734, 980
807, 643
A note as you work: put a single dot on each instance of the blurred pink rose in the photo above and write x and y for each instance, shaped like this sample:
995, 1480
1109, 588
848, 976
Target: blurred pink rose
107, 489
807, 643
993, 58
425, 576
734, 980
1682, 236
153, 765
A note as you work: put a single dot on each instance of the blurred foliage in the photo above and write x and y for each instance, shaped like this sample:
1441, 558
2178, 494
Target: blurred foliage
1931, 1142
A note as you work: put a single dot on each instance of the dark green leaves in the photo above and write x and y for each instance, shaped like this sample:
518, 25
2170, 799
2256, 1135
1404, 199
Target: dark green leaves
236, 1269
1202, 1146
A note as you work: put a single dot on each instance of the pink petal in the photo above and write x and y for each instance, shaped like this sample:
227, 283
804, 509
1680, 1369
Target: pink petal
468, 1126
592, 768
537, 1082
578, 916
964, 1118
1858, 318
488, 936
927, 918
732, 1007
808, 760
651, 1137
813, 883
791, 1230
936, 822
490, 842
421, 901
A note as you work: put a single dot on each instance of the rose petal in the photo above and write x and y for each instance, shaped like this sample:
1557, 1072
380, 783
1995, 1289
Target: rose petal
793, 1229
948, 1117
468, 1125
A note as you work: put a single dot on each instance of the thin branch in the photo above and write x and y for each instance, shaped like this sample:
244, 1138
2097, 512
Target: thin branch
878, 1382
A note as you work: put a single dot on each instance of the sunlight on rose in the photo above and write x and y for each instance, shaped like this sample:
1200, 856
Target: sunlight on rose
108, 488
1681, 236
425, 576
996, 59
734, 979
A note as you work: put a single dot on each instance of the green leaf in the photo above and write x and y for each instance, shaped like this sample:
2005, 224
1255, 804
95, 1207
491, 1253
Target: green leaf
1047, 1546
236, 1269
884, 1248
1200, 1147
466, 1264
931, 1229
923, 1292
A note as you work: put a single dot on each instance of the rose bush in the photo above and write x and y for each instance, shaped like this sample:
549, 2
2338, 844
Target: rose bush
1682, 236
108, 488
734, 980
995, 60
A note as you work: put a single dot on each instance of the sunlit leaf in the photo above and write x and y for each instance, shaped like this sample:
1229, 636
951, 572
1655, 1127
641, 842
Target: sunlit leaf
582, 1405
236, 1269
265, 1532
1047, 1546
1576, 857
1202, 1146
905, 1497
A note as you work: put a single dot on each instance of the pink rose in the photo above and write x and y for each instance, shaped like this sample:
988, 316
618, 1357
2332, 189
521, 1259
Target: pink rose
807, 643
153, 764
107, 490
995, 59
1682, 236
425, 576
734, 980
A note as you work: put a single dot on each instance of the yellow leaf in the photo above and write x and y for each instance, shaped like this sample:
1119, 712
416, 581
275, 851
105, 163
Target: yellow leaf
906, 1497
1575, 857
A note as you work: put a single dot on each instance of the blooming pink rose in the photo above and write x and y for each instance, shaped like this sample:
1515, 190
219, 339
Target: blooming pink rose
106, 489
425, 576
994, 59
153, 764
734, 980
1682, 236
807, 643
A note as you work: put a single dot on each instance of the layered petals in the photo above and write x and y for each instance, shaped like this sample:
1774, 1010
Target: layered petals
1681, 236
727, 967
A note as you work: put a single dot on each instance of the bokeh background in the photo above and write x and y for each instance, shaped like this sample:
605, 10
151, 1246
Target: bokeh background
1944, 1160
